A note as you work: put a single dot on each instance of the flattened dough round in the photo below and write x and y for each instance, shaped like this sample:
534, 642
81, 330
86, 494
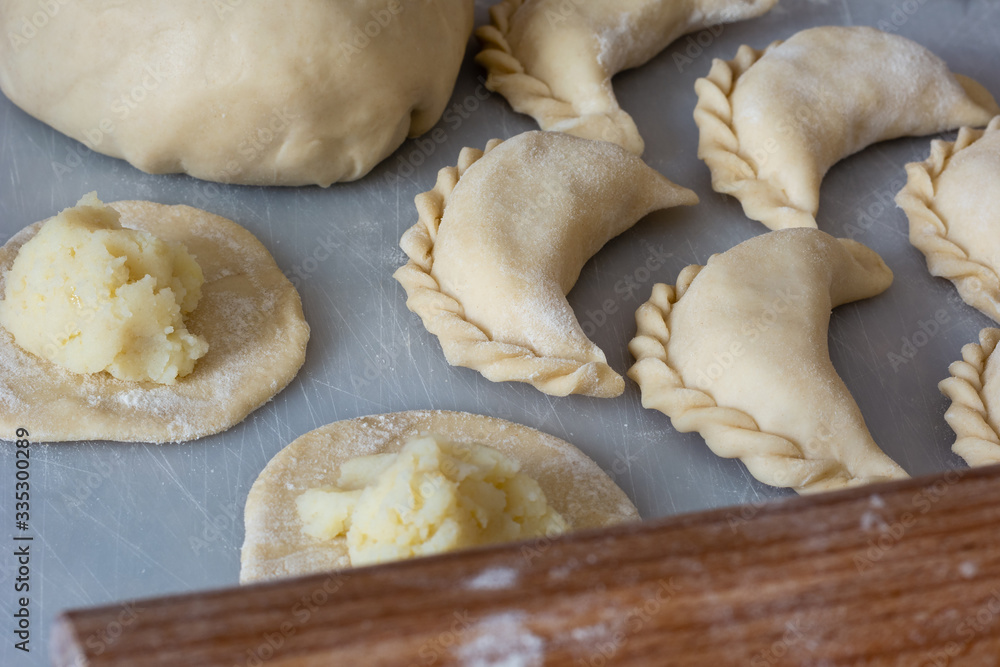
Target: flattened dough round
275, 546
249, 312
263, 93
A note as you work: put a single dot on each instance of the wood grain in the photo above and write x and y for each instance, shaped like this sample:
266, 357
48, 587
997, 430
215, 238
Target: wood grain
906, 573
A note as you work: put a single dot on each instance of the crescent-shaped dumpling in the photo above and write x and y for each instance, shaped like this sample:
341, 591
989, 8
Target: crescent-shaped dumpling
501, 240
738, 352
952, 200
974, 390
773, 122
554, 59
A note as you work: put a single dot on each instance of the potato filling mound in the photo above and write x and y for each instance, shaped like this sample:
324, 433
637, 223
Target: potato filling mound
91, 296
431, 497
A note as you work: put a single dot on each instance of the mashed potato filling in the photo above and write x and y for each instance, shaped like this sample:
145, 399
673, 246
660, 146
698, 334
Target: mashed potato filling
91, 296
431, 497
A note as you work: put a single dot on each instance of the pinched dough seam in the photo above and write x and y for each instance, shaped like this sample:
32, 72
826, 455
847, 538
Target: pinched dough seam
464, 343
977, 442
978, 284
530, 95
506, 75
729, 432
719, 147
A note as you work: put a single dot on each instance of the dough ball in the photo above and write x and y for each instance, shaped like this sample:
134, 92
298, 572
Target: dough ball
262, 93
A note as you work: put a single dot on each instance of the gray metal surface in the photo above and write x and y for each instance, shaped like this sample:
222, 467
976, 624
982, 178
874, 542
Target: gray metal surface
118, 521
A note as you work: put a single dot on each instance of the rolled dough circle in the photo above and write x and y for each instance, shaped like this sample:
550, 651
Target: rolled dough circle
249, 313
275, 545
262, 93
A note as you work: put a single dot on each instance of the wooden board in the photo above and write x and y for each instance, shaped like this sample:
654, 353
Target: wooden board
906, 573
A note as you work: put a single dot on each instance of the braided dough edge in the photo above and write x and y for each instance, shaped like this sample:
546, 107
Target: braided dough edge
729, 432
719, 147
464, 344
977, 284
530, 95
977, 442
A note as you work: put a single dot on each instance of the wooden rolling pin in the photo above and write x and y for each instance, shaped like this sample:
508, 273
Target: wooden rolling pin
906, 573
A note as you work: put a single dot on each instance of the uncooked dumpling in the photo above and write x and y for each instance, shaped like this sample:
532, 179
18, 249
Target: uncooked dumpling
501, 240
952, 200
974, 390
249, 313
773, 122
738, 352
554, 59
276, 546
263, 93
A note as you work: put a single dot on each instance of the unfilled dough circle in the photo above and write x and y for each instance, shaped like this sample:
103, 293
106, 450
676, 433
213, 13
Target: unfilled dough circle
249, 313
275, 545
262, 93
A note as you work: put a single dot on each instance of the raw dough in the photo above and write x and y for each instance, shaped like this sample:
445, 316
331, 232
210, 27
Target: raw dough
430, 497
264, 93
554, 59
501, 240
249, 313
275, 545
773, 122
90, 296
952, 200
738, 352
974, 390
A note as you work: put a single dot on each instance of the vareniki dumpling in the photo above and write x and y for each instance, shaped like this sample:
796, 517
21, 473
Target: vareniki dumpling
501, 240
773, 122
974, 390
952, 200
554, 59
738, 352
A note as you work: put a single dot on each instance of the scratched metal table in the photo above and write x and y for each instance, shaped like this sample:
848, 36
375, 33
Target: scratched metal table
119, 521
